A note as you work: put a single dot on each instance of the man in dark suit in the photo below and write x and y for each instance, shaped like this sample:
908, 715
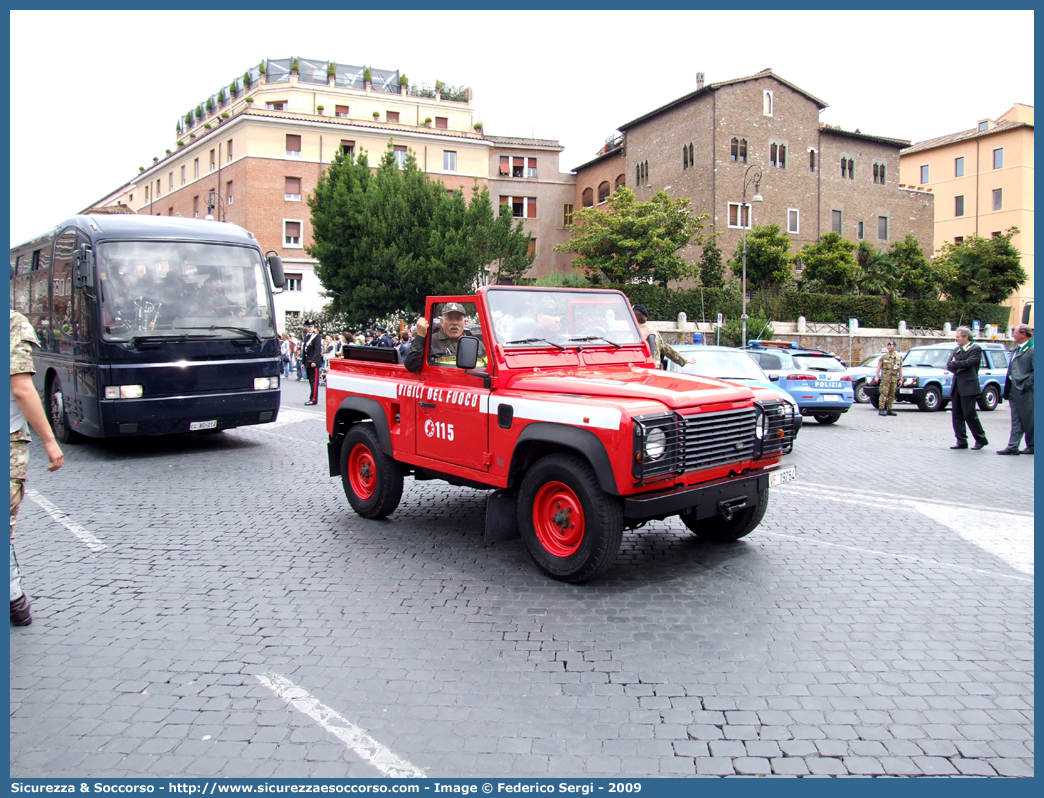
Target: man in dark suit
964, 363
1018, 390
312, 357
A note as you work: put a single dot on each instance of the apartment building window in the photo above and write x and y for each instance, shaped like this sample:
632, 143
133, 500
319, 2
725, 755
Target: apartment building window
293, 281
603, 191
995, 234
292, 232
228, 193
531, 167
793, 221
641, 172
998, 158
229, 159
879, 173
738, 150
532, 247
213, 161
847, 168
882, 228
277, 105
391, 116
348, 148
505, 166
341, 111
811, 160
170, 211
844, 166
293, 146
736, 219
159, 187
146, 192
195, 169
778, 154
449, 161
567, 214
400, 156
835, 221
958, 239
924, 174
183, 181
984, 125
998, 199
170, 184
195, 207
518, 166
130, 198
292, 190
958, 206
958, 167
859, 230
766, 103
442, 123
620, 181
587, 198
521, 207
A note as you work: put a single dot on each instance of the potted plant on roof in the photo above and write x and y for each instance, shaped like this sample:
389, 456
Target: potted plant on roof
331, 73
376, 115
368, 79
478, 127
438, 90
320, 109
181, 143
293, 66
246, 80
403, 85
427, 121
250, 101
233, 89
210, 106
261, 74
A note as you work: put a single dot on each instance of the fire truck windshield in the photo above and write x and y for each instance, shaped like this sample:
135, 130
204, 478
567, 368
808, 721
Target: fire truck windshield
561, 318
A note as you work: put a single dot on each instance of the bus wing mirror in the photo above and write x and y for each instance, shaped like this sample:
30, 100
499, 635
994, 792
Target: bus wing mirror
275, 266
84, 267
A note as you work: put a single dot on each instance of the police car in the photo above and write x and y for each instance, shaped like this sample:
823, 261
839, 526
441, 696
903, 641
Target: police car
817, 380
928, 384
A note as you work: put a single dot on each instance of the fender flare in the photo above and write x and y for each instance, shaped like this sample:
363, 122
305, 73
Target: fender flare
373, 410
581, 440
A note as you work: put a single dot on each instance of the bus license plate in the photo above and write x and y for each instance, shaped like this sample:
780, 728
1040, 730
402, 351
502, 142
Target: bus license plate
783, 476
196, 425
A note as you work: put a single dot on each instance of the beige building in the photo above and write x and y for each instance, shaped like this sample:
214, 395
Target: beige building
252, 153
982, 179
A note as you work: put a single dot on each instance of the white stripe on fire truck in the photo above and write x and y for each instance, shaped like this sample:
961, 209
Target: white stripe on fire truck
562, 412
363, 385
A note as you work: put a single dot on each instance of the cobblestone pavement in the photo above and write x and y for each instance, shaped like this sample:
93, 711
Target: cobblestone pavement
880, 621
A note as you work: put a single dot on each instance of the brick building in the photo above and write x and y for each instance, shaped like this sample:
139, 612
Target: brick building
815, 178
982, 179
252, 153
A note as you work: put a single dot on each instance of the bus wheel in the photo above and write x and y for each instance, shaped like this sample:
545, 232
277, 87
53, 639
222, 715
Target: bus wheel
56, 414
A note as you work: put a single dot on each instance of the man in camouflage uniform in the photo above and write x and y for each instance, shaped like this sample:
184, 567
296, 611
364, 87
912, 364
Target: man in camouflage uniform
25, 407
889, 375
661, 349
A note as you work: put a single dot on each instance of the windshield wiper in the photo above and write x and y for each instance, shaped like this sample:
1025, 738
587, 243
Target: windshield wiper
595, 338
243, 330
536, 341
137, 340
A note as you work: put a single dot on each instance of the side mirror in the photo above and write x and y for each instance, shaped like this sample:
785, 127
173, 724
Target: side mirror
774, 377
83, 267
467, 352
275, 266
650, 339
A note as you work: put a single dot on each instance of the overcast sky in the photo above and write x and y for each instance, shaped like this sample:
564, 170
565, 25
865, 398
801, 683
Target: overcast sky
95, 95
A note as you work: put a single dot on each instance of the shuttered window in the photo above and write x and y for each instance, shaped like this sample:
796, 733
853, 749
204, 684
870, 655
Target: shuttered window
293, 145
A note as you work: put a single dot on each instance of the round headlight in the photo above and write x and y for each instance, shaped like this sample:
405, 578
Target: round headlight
761, 427
655, 443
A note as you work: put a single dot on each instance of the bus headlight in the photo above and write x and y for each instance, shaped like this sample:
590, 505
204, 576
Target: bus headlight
123, 392
265, 383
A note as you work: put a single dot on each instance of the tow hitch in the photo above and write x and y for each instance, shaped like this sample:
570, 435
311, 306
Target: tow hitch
727, 507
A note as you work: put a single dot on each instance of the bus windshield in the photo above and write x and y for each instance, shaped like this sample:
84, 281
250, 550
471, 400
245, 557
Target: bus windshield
159, 288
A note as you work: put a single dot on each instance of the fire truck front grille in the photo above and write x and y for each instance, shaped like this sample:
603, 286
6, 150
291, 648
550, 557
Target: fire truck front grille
715, 438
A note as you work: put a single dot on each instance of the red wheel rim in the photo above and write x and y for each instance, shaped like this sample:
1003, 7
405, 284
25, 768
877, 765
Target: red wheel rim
558, 519
362, 471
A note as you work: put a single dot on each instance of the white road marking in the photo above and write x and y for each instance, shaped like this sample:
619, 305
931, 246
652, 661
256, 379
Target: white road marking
1005, 533
897, 556
947, 502
351, 735
86, 537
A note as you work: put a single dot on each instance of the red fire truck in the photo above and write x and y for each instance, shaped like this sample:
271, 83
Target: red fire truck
550, 398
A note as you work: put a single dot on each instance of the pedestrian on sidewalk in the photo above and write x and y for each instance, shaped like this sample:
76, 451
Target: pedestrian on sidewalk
1018, 390
25, 407
889, 377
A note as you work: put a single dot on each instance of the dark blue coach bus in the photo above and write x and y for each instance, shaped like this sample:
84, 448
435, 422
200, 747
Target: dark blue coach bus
150, 325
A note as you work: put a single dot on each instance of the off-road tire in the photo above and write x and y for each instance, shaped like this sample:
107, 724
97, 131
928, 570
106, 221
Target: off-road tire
372, 480
931, 400
743, 522
572, 528
989, 398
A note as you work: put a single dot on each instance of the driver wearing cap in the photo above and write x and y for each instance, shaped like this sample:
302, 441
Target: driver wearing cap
443, 349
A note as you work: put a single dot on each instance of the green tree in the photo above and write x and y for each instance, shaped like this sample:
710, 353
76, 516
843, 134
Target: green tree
919, 277
829, 265
712, 272
633, 242
768, 262
878, 272
983, 269
387, 239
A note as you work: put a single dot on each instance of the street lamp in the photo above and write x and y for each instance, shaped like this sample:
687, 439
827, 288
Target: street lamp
756, 180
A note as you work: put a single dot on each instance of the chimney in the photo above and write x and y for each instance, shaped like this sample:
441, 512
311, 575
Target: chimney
699, 80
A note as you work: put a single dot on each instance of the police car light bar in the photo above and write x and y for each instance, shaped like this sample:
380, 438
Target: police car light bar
777, 344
